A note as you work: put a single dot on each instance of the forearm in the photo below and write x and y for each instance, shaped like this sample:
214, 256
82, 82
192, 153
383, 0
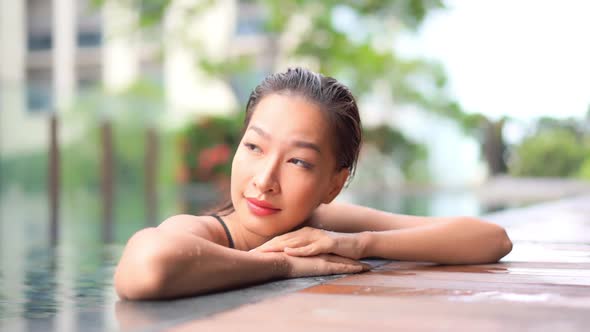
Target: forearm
157, 264
463, 241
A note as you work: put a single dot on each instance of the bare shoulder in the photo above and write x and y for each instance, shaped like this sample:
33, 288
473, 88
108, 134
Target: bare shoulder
202, 226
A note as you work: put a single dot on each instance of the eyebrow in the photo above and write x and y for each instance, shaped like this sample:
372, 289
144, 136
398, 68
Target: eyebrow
297, 143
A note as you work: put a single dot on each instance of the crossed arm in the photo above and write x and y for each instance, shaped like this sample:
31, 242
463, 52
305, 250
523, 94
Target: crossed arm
182, 257
374, 233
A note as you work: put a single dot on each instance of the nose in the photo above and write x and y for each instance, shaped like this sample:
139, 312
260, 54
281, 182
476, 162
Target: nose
266, 177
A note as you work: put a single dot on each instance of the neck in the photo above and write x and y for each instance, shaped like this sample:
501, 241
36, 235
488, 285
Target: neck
244, 239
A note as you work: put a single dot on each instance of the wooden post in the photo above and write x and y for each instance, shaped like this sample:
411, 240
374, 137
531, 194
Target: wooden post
53, 180
494, 147
107, 181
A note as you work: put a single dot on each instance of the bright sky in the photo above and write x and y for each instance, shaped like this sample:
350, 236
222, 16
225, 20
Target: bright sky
520, 58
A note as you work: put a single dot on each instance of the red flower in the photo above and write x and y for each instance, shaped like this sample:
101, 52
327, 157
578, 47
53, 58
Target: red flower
214, 156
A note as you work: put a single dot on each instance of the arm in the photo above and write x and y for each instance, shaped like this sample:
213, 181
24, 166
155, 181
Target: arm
458, 241
158, 264
448, 240
352, 218
182, 257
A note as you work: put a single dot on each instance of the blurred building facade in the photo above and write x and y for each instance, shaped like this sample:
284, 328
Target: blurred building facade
51, 51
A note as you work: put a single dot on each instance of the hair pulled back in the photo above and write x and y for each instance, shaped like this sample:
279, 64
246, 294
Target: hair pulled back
335, 101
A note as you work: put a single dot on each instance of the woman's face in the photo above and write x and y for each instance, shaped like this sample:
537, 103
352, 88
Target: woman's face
284, 166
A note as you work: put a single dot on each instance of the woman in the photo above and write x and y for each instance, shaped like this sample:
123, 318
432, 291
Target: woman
299, 148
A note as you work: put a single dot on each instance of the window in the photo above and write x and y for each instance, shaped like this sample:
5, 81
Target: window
39, 42
89, 38
38, 96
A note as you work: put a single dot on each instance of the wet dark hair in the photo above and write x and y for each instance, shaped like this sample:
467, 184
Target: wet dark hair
335, 101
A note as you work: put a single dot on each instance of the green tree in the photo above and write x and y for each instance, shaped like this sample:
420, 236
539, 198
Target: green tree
556, 148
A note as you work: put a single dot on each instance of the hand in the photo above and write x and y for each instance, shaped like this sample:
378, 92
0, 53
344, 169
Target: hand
320, 265
309, 241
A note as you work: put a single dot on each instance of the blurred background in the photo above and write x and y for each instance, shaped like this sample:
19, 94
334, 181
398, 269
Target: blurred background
115, 114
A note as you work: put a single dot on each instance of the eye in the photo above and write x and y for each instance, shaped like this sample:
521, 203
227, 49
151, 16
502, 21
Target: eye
252, 147
301, 163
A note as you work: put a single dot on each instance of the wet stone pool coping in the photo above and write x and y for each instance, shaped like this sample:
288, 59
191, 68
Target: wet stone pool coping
164, 314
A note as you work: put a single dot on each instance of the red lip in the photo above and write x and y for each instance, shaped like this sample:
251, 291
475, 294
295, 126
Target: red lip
263, 204
261, 208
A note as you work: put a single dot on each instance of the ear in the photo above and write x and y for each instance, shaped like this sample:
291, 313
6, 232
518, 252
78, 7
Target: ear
336, 184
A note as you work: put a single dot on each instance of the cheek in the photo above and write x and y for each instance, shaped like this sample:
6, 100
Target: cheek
237, 171
239, 162
302, 190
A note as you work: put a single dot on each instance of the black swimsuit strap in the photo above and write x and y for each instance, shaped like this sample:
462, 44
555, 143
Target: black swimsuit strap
229, 238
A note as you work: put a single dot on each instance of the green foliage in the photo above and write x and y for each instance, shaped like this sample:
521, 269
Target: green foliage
226, 68
29, 172
553, 150
391, 142
411, 13
363, 53
584, 172
80, 164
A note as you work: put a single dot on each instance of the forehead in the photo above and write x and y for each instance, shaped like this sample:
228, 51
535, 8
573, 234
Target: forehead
286, 117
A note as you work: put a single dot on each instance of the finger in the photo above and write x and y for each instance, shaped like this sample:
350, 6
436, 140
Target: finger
339, 259
331, 258
290, 243
335, 258
274, 243
338, 268
309, 250
278, 243
261, 248
362, 268
270, 248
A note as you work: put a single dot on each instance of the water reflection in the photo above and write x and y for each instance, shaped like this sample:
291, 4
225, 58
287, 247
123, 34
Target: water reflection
134, 316
455, 294
439, 203
62, 289
40, 282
